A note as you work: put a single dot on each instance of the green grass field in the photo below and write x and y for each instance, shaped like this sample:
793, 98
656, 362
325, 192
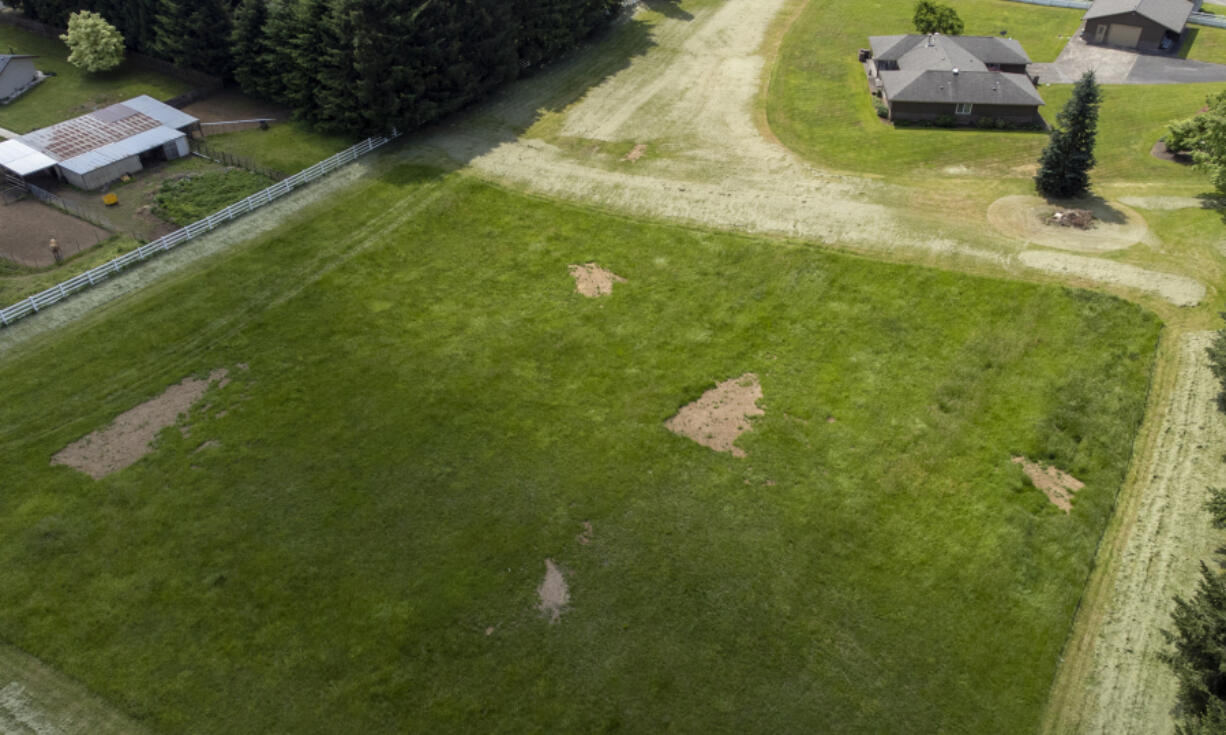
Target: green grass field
430, 412
73, 92
183, 201
819, 104
288, 147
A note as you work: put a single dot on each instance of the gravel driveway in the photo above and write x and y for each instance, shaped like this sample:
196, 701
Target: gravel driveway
1116, 66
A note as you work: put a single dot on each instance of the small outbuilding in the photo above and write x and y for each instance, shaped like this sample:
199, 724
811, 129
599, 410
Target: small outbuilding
964, 79
17, 74
1141, 24
93, 150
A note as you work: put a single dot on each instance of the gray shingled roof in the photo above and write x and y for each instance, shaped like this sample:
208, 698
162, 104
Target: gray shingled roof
1171, 14
975, 87
961, 51
5, 58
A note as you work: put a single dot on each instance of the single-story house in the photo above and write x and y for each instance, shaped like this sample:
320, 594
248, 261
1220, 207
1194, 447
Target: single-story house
965, 78
17, 74
93, 150
1141, 24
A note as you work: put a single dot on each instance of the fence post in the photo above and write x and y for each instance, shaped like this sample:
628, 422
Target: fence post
263, 197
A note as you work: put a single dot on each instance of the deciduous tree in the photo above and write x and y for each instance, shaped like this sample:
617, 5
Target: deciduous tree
931, 17
94, 44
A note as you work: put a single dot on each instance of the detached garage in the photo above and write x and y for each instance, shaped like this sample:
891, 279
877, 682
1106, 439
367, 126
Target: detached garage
1139, 24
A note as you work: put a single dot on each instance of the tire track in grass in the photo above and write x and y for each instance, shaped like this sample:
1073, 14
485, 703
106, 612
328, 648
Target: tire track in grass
38, 700
1112, 681
690, 93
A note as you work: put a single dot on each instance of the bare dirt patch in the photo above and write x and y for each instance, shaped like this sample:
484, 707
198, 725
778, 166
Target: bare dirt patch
1057, 485
131, 435
636, 153
234, 105
553, 593
585, 537
28, 227
1026, 218
593, 281
720, 415
1179, 290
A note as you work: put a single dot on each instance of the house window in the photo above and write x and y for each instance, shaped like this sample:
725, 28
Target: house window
963, 108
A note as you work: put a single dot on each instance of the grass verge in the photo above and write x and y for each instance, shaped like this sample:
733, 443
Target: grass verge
430, 412
18, 282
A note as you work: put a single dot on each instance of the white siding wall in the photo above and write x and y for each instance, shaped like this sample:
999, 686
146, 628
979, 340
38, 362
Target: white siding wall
99, 177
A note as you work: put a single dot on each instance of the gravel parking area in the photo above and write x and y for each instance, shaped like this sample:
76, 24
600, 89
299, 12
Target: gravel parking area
1117, 66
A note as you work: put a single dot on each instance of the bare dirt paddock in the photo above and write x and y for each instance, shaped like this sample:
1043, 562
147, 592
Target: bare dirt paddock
27, 226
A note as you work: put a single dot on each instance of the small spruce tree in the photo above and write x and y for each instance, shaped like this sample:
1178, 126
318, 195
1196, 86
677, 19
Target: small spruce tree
1064, 167
94, 44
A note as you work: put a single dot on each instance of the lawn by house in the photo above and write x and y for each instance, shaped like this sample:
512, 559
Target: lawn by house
72, 92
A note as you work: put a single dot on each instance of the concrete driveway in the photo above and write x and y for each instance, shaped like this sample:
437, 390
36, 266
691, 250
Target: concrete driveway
1116, 66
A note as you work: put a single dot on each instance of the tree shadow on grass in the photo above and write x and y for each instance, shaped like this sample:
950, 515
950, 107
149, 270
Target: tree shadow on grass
501, 118
669, 9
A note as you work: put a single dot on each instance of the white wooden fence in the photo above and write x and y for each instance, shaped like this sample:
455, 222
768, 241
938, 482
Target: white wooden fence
94, 276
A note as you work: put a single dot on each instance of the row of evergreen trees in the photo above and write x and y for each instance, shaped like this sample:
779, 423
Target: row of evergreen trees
351, 65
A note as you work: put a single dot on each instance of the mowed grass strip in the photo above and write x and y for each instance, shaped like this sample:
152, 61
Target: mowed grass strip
74, 92
430, 412
819, 105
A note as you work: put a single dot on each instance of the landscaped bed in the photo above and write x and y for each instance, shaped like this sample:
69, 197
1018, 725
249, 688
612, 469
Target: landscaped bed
430, 446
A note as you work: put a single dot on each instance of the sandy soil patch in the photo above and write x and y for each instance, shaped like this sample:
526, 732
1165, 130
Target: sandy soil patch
131, 435
1058, 486
1022, 217
231, 104
1163, 203
720, 415
593, 281
636, 153
553, 593
1119, 685
26, 229
1179, 290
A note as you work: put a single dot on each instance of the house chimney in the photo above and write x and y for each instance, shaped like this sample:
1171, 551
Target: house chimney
955, 71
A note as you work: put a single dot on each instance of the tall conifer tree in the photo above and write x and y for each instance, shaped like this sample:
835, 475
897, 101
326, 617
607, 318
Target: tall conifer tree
195, 34
1064, 167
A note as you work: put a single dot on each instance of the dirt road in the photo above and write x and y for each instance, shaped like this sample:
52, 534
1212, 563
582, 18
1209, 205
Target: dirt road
689, 96
1112, 681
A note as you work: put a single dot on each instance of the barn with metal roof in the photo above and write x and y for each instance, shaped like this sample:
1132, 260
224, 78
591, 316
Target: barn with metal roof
93, 150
